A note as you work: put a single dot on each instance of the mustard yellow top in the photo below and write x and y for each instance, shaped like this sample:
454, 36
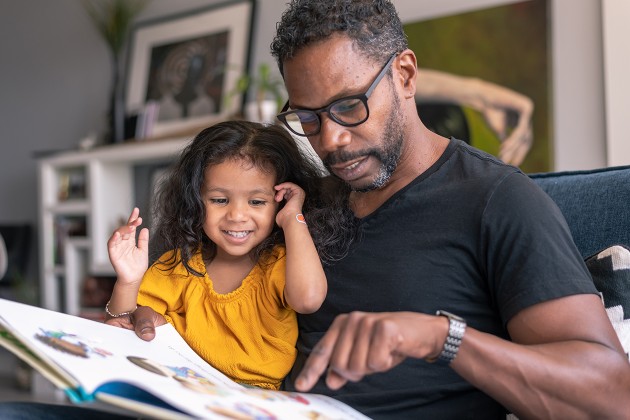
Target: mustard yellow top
249, 334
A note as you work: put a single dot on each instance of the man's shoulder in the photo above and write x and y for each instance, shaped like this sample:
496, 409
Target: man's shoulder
480, 162
465, 166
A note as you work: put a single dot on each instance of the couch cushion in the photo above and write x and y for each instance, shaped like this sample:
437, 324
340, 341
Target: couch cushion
595, 204
610, 269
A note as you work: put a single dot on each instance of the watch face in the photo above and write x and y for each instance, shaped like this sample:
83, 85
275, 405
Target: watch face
449, 315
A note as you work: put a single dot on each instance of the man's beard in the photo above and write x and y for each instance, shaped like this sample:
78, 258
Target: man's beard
388, 155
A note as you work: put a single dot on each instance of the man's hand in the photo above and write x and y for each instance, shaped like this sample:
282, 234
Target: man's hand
359, 344
143, 321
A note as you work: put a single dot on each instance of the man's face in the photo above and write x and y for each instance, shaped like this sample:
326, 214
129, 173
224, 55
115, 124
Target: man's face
364, 156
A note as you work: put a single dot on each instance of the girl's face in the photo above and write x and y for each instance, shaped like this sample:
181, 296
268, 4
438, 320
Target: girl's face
240, 206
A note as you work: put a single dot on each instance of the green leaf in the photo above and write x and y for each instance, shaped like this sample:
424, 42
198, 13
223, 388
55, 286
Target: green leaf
113, 18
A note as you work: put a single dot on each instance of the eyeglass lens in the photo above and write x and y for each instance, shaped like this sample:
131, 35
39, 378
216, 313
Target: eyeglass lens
346, 111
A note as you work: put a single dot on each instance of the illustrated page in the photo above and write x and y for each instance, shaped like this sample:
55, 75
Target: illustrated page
95, 353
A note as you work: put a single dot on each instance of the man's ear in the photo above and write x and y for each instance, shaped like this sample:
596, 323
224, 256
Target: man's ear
407, 67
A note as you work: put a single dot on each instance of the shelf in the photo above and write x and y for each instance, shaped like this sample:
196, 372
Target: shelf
58, 270
70, 207
79, 242
83, 197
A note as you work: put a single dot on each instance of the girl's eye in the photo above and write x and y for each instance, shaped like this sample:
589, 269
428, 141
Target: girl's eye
257, 202
218, 200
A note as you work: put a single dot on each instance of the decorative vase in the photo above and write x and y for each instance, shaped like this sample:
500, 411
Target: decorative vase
116, 117
263, 112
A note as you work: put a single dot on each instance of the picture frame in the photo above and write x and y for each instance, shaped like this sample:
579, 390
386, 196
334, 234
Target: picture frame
487, 51
188, 63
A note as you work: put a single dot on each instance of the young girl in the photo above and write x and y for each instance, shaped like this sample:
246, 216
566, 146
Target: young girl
240, 259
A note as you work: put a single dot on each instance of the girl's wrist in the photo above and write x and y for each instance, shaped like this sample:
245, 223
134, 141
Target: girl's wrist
118, 314
296, 218
300, 218
125, 288
128, 281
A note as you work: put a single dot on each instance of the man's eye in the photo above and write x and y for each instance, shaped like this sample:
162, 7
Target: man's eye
346, 106
257, 203
218, 200
306, 117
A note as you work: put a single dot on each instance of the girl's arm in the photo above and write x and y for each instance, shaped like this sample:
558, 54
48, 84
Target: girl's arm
130, 261
305, 285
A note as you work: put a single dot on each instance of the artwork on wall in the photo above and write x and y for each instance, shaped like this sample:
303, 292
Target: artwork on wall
187, 64
484, 77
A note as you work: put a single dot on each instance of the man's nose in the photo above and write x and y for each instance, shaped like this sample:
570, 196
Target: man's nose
332, 135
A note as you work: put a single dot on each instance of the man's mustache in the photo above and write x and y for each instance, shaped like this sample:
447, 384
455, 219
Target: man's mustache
342, 156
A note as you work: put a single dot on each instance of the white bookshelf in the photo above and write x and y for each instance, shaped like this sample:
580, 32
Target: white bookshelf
98, 198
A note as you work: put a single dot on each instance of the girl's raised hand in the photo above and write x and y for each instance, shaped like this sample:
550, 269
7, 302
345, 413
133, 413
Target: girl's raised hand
295, 196
128, 259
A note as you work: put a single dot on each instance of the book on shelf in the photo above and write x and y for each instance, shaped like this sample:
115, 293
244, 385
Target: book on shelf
140, 124
164, 378
66, 227
71, 184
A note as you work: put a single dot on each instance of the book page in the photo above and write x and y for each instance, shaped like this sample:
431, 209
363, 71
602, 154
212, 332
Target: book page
112, 362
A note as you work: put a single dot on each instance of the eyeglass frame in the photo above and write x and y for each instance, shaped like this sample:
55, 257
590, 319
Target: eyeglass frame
363, 97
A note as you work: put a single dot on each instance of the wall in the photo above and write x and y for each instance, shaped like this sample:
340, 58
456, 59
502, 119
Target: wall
55, 80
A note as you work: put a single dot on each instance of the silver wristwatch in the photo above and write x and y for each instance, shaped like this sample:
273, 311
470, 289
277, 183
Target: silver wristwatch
456, 330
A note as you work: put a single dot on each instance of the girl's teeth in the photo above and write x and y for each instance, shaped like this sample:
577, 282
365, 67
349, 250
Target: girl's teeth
240, 234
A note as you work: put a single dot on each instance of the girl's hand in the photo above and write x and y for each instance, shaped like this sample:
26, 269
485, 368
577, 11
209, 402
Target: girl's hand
129, 261
295, 196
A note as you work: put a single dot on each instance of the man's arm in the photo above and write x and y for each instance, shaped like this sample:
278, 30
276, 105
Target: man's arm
565, 361
568, 362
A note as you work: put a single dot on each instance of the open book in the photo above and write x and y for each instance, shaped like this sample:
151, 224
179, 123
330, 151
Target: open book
163, 378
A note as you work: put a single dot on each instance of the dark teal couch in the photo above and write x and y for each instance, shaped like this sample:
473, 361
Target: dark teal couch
595, 203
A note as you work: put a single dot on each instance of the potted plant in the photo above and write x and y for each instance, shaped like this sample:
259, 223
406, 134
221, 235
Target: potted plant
267, 91
113, 19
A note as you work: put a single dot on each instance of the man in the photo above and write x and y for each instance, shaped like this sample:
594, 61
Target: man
442, 227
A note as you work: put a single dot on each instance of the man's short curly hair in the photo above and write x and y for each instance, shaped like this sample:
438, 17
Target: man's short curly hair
374, 26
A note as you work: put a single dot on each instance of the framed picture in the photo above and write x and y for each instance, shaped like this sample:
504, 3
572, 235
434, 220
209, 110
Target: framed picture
484, 76
187, 64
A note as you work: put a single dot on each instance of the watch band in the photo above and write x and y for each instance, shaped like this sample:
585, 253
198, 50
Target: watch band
456, 330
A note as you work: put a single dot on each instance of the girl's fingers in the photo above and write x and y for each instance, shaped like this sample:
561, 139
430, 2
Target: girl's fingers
134, 214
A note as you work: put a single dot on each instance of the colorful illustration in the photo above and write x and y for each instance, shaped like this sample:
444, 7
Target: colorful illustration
243, 411
296, 397
186, 376
70, 343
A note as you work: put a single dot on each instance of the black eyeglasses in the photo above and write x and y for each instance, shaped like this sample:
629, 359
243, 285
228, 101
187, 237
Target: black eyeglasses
349, 111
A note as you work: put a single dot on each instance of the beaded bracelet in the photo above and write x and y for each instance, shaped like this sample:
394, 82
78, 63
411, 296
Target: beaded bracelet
120, 314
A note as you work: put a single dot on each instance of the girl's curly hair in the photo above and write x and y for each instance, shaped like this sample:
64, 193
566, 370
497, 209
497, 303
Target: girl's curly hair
179, 212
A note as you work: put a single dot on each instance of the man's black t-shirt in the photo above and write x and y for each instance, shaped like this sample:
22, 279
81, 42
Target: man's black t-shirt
471, 236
